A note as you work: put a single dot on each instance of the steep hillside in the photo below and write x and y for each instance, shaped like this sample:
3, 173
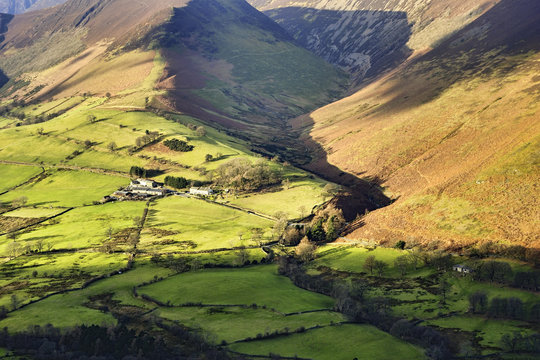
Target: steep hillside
453, 136
366, 37
224, 61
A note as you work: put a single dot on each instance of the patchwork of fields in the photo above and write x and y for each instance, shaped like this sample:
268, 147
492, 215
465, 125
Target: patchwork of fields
206, 264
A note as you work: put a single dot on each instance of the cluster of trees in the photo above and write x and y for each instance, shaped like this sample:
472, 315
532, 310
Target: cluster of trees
176, 182
210, 157
199, 130
352, 301
528, 280
104, 343
501, 272
146, 139
511, 308
15, 249
517, 342
241, 174
325, 226
371, 264
138, 171
518, 252
28, 119
178, 145
178, 264
493, 271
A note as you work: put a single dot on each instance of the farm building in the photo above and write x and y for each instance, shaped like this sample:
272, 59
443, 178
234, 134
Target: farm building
144, 183
462, 269
201, 191
141, 190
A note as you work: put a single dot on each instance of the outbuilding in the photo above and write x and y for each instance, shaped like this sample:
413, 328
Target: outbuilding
201, 191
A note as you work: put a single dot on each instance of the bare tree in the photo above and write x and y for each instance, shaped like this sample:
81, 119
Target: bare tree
305, 251
402, 264
241, 257
369, 264
380, 267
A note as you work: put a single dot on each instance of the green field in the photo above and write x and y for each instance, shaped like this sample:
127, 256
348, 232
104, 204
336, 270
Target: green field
233, 323
30, 212
351, 259
209, 226
259, 285
33, 277
488, 331
85, 227
64, 188
13, 175
303, 195
74, 311
335, 343
24, 146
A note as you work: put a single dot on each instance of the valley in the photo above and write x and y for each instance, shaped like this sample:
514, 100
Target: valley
371, 197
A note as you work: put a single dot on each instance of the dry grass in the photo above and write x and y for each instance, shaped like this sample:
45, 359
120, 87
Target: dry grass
463, 163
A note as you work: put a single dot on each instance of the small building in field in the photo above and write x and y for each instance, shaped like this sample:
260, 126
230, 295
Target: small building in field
140, 190
201, 191
462, 269
144, 183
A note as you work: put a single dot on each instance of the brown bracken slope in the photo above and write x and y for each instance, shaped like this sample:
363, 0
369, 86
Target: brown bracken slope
453, 136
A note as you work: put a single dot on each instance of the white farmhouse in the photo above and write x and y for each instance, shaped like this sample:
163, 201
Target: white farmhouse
144, 183
201, 191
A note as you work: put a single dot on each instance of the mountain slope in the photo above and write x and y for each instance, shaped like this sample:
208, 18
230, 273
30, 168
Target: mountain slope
224, 61
20, 6
366, 37
452, 135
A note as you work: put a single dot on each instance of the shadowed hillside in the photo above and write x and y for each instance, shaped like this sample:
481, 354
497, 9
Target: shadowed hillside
364, 43
367, 37
453, 135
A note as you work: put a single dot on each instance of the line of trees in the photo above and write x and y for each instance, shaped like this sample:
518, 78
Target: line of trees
241, 174
510, 308
104, 343
146, 139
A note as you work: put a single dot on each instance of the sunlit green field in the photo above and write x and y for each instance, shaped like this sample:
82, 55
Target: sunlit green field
335, 342
235, 323
65, 188
207, 225
302, 196
24, 146
32, 277
259, 285
13, 175
72, 304
84, 227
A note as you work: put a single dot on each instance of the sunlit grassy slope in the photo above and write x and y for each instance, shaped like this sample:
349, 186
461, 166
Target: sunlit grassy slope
453, 136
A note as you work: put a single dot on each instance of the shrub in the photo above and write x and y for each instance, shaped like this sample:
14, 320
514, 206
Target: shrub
178, 145
176, 182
